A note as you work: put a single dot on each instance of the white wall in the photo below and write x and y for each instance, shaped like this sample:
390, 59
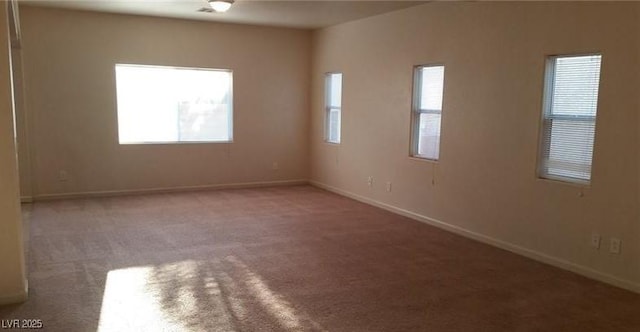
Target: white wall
24, 155
69, 59
486, 182
12, 271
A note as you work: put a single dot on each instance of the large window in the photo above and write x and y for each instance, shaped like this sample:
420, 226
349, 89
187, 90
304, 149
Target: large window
171, 105
427, 111
333, 106
569, 117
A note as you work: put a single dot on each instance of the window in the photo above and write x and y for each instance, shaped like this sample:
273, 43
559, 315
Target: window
333, 104
171, 105
427, 111
569, 117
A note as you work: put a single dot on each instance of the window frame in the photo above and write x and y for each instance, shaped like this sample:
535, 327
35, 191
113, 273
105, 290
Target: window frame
231, 105
328, 108
547, 115
416, 111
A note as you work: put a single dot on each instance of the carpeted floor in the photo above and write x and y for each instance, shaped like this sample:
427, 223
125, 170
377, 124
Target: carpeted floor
288, 259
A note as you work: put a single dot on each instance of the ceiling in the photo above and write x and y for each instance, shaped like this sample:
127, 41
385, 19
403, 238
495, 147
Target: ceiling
306, 14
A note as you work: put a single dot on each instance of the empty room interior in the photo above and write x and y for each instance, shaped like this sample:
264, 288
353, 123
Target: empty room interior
201, 165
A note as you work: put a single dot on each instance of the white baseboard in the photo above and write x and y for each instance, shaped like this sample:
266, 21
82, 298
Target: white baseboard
110, 193
15, 298
26, 199
535, 255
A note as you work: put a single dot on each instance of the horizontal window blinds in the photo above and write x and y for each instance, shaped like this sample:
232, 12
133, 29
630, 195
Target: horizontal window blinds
427, 115
571, 99
432, 87
333, 107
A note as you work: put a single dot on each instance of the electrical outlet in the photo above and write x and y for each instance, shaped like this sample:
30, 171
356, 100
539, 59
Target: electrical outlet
614, 245
275, 166
63, 176
389, 186
370, 181
595, 240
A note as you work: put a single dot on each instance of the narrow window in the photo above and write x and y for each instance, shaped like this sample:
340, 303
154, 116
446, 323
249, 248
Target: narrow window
173, 105
569, 117
333, 106
427, 111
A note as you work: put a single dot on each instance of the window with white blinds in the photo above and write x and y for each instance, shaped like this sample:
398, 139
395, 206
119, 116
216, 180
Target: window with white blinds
333, 106
569, 117
427, 111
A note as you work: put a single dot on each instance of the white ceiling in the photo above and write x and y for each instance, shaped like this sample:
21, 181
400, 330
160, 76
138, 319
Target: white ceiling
298, 14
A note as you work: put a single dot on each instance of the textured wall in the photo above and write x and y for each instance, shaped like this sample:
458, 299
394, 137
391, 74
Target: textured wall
486, 182
69, 59
12, 272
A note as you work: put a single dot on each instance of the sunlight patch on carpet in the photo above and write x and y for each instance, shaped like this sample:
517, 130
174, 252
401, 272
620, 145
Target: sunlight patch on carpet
168, 297
275, 304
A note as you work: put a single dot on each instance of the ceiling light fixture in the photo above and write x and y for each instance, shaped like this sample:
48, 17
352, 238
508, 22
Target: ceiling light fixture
220, 6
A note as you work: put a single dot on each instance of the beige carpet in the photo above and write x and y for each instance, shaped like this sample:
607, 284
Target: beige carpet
288, 259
